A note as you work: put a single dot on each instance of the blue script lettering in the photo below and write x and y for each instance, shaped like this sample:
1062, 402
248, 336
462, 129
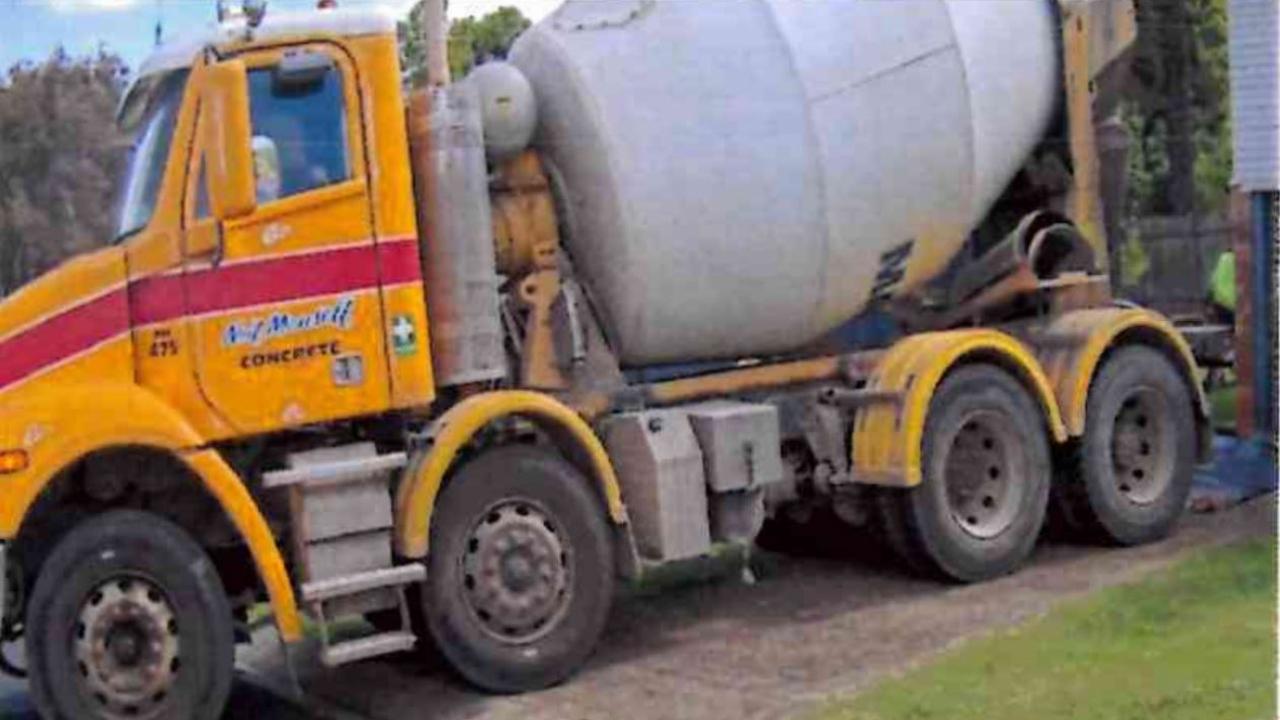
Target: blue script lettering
256, 331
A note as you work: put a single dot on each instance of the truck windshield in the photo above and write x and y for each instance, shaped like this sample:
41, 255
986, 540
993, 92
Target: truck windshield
150, 150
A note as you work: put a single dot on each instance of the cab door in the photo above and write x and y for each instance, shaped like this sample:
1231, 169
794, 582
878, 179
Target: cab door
283, 302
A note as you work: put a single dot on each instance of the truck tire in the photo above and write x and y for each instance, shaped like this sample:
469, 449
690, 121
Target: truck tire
521, 572
985, 461
1127, 479
129, 619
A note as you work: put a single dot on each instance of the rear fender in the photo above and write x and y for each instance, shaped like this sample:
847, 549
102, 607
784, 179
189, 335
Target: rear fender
888, 435
1072, 347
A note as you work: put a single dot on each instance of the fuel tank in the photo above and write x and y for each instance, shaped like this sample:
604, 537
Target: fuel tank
739, 177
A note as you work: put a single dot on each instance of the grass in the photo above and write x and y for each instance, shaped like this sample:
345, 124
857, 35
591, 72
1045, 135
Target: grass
1197, 641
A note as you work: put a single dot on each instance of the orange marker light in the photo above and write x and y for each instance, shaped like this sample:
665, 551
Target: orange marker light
12, 461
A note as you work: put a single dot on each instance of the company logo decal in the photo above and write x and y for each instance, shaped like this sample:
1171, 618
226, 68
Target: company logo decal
256, 331
274, 233
34, 434
290, 355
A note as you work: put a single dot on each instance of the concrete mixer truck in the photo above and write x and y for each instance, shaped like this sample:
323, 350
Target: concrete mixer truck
456, 360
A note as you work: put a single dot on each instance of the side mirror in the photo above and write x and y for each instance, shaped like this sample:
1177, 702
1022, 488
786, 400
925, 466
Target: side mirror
227, 132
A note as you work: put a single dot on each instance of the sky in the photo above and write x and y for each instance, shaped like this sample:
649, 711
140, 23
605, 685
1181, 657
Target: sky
33, 28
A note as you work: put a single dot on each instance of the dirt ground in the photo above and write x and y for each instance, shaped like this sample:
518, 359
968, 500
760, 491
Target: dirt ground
809, 629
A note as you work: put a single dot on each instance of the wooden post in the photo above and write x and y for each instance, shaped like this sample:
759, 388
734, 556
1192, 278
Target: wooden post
1242, 244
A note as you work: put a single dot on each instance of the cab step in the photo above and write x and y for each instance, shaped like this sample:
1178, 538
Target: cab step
325, 471
340, 503
347, 585
371, 646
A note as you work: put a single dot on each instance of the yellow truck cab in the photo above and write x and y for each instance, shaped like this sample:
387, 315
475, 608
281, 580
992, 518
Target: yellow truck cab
242, 399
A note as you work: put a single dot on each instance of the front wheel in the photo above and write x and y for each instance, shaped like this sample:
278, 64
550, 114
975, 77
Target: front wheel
129, 619
1131, 473
985, 462
520, 576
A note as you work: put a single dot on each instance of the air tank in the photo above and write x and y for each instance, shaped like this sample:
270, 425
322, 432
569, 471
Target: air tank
739, 177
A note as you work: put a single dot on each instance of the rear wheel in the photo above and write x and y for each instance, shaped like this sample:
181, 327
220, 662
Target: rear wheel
129, 619
985, 461
520, 576
1131, 473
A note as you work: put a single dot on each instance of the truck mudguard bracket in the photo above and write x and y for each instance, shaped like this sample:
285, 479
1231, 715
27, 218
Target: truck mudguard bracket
887, 437
416, 496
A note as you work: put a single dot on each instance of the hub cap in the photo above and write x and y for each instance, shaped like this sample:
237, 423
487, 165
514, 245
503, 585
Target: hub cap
516, 572
982, 475
1140, 448
126, 647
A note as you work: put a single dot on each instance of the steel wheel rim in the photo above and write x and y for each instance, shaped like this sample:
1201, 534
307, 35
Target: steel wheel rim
517, 570
981, 471
1141, 446
127, 648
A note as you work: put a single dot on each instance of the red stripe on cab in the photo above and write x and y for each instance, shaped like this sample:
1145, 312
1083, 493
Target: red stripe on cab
400, 261
63, 335
233, 286
274, 280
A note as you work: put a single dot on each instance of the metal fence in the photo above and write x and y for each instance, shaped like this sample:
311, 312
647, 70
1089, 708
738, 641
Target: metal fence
1165, 262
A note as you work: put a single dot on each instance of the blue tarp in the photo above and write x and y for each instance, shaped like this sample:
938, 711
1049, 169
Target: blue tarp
1241, 469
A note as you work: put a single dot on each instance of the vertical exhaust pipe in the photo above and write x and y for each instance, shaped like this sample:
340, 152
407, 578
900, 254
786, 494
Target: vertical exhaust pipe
451, 181
435, 29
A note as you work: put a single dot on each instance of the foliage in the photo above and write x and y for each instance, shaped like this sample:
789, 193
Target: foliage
1179, 120
1134, 261
60, 157
1194, 642
1222, 407
471, 41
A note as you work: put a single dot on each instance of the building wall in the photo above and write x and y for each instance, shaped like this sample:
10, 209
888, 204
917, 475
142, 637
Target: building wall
1255, 89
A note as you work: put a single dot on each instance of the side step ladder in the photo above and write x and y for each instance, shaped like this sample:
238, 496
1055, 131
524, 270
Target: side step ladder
340, 502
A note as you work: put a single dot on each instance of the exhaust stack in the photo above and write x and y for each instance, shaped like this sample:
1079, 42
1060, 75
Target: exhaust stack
455, 220
435, 30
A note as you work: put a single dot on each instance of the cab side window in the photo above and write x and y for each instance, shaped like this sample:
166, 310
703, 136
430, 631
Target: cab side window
299, 133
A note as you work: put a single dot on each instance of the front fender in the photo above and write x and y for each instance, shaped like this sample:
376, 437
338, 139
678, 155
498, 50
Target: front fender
59, 426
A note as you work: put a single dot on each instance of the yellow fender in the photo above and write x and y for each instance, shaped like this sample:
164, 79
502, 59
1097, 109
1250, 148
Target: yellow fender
225, 486
416, 497
61, 426
887, 436
1071, 347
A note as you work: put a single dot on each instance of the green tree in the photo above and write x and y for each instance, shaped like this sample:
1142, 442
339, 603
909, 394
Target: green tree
471, 41
60, 157
1179, 118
